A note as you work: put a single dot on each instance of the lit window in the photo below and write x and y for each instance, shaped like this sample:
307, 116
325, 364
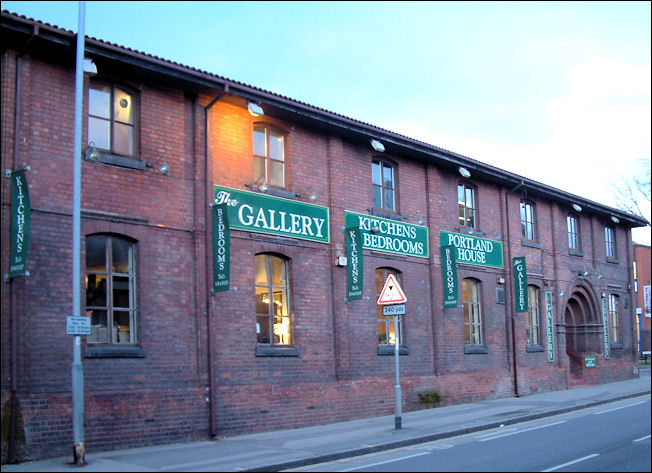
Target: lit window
573, 232
273, 325
614, 319
111, 119
466, 205
527, 221
472, 312
532, 320
383, 182
610, 242
269, 156
386, 333
110, 289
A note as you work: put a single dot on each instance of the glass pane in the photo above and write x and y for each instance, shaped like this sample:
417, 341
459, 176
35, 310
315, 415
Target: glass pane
259, 169
262, 330
279, 276
121, 321
388, 177
123, 109
262, 300
280, 302
261, 270
99, 333
99, 101
375, 174
390, 328
123, 139
282, 330
380, 281
121, 256
96, 253
460, 195
276, 146
470, 200
276, 170
471, 218
382, 333
96, 290
378, 197
121, 293
99, 132
259, 141
389, 199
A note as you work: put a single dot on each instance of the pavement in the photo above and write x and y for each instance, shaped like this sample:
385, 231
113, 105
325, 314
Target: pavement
293, 448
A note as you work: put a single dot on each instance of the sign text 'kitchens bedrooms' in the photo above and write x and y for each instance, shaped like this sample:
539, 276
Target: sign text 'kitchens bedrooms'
392, 237
474, 250
256, 212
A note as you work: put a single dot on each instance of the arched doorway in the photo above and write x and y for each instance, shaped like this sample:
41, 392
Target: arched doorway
583, 328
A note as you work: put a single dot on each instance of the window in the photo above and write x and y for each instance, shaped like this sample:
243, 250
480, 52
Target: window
614, 319
269, 156
610, 241
466, 205
532, 319
527, 221
472, 312
383, 181
273, 324
111, 289
111, 119
386, 333
573, 233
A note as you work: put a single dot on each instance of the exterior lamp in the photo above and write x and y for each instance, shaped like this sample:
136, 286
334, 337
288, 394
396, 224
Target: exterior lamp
464, 172
163, 168
377, 146
91, 152
255, 110
577, 207
90, 68
615, 219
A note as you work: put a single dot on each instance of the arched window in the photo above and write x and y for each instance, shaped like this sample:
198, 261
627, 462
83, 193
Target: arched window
273, 323
466, 203
614, 318
383, 178
112, 120
472, 312
532, 318
386, 333
269, 156
111, 289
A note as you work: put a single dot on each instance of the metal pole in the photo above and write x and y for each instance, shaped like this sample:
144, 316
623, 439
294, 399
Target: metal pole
397, 388
77, 373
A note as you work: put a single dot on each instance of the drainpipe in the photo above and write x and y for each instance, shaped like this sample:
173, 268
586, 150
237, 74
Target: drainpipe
508, 298
209, 260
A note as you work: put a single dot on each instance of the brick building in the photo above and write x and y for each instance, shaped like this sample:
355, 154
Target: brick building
642, 288
290, 336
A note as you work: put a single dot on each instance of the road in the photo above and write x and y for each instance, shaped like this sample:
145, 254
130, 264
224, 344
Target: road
609, 437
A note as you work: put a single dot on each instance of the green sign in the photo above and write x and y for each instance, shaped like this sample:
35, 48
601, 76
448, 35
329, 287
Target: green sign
474, 250
21, 216
449, 276
605, 323
254, 212
392, 236
221, 248
589, 362
520, 284
551, 327
355, 264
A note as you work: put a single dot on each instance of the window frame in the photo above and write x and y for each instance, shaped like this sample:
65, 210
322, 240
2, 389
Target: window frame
393, 167
610, 242
286, 295
267, 159
533, 317
574, 233
615, 329
528, 220
464, 209
387, 321
473, 329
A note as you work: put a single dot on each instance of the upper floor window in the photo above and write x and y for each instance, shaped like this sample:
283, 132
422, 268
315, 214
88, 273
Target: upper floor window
384, 185
386, 332
610, 241
112, 119
532, 318
614, 319
527, 221
272, 291
111, 289
269, 156
467, 206
573, 232
472, 312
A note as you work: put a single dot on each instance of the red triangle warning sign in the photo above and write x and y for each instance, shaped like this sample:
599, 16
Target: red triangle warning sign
391, 293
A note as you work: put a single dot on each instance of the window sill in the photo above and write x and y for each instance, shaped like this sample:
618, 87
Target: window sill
475, 350
116, 160
384, 350
470, 231
617, 346
535, 348
575, 253
612, 260
274, 351
531, 243
386, 214
114, 351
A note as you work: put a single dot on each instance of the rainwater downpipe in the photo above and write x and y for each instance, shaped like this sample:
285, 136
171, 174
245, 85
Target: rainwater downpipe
510, 278
209, 260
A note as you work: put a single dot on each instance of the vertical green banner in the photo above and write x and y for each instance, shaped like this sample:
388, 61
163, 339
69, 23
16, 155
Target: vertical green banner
355, 264
221, 248
520, 285
551, 327
605, 322
21, 216
449, 276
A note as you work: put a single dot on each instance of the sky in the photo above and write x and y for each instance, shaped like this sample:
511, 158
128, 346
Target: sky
558, 92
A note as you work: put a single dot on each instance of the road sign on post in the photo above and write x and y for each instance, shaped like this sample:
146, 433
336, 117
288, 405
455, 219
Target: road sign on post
391, 293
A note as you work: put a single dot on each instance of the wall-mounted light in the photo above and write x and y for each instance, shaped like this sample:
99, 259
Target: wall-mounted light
420, 221
377, 145
89, 67
464, 172
615, 219
255, 110
313, 195
577, 208
375, 229
91, 152
583, 273
163, 168
501, 280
